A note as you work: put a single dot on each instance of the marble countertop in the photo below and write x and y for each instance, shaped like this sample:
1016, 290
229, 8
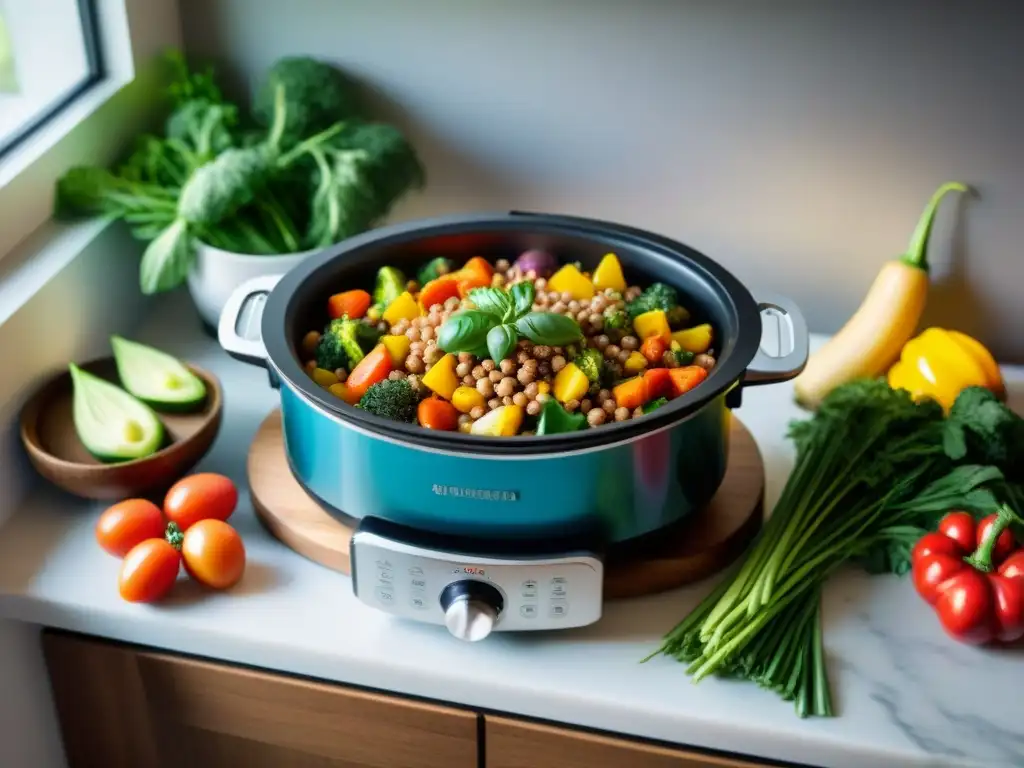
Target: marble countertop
905, 695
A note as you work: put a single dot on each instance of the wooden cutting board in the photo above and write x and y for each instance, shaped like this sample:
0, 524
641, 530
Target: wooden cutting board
691, 551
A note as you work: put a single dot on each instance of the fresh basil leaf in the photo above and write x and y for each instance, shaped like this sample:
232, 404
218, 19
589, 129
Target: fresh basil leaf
493, 301
522, 297
501, 340
465, 331
555, 419
549, 328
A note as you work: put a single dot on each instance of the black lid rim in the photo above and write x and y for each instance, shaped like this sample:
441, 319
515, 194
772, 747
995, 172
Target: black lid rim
735, 357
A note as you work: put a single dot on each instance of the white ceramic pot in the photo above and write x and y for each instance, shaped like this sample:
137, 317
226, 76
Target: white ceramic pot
216, 273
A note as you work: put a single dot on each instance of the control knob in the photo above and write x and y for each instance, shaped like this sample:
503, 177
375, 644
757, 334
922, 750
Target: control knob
471, 609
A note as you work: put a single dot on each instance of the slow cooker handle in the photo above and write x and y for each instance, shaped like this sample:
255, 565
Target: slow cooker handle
239, 331
784, 329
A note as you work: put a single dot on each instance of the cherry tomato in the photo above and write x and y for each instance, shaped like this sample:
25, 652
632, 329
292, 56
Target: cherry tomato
128, 523
149, 571
205, 496
213, 553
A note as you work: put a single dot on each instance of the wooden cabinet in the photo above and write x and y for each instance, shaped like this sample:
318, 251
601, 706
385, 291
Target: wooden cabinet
517, 744
121, 707
125, 707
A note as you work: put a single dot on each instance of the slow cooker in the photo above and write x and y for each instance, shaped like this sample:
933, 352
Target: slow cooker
481, 533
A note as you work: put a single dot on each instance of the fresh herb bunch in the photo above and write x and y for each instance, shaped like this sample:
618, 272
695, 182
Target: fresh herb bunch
874, 471
306, 170
500, 319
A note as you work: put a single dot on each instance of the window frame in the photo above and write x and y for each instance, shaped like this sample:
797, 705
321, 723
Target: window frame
96, 125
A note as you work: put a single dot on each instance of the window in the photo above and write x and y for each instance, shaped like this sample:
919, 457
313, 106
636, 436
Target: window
48, 56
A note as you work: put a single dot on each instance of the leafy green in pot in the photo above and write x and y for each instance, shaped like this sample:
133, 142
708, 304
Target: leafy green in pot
433, 269
501, 318
554, 419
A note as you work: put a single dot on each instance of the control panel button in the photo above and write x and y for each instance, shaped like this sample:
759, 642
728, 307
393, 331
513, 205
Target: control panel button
419, 602
415, 571
528, 611
386, 575
559, 590
558, 608
530, 588
418, 583
385, 595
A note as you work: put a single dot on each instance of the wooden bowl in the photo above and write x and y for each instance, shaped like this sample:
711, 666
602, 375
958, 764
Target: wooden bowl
48, 434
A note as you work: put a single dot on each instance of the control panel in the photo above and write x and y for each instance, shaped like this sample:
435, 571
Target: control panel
473, 596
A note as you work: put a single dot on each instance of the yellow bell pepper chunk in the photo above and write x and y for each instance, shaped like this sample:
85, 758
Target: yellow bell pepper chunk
570, 279
696, 339
653, 323
465, 399
635, 363
341, 391
570, 384
441, 378
324, 378
609, 274
404, 307
503, 421
939, 364
543, 388
397, 346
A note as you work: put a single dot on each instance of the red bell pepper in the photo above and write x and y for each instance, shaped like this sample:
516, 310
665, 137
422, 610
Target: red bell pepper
978, 594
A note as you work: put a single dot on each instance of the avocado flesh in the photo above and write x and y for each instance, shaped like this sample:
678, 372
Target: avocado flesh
157, 378
111, 423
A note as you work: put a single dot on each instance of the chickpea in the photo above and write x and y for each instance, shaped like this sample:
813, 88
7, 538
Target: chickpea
507, 367
478, 372
414, 382
432, 355
414, 364
501, 265
342, 374
629, 342
463, 369
531, 389
413, 334
557, 363
494, 402
596, 417
541, 352
505, 387
624, 356
558, 307
539, 285
669, 360
427, 333
531, 365
609, 406
396, 375
451, 304
573, 306
586, 405
522, 356
583, 316
611, 351
638, 412
543, 397
467, 419
603, 394
525, 376
488, 365
621, 414
596, 321
485, 387
507, 400
565, 296
495, 376
544, 370
533, 408
520, 399
601, 341
477, 411
707, 362
469, 381
309, 343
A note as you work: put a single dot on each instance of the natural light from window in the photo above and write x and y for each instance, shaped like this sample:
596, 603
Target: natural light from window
47, 57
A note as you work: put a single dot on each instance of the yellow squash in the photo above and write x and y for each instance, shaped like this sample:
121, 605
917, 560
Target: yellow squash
872, 339
939, 364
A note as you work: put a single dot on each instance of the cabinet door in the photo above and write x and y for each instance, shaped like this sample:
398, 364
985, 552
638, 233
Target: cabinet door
122, 707
518, 744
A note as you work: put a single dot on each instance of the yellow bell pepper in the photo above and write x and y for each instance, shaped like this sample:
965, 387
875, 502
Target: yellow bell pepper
397, 346
635, 363
324, 378
441, 378
696, 339
465, 399
939, 364
609, 274
404, 307
653, 323
570, 384
571, 280
503, 421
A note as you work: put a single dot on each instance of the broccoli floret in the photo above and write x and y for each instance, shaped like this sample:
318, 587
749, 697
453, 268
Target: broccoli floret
682, 356
391, 399
316, 95
657, 296
591, 362
344, 343
615, 319
389, 286
433, 269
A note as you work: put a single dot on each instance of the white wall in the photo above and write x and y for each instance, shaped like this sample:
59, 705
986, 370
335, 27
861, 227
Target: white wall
794, 140
85, 299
